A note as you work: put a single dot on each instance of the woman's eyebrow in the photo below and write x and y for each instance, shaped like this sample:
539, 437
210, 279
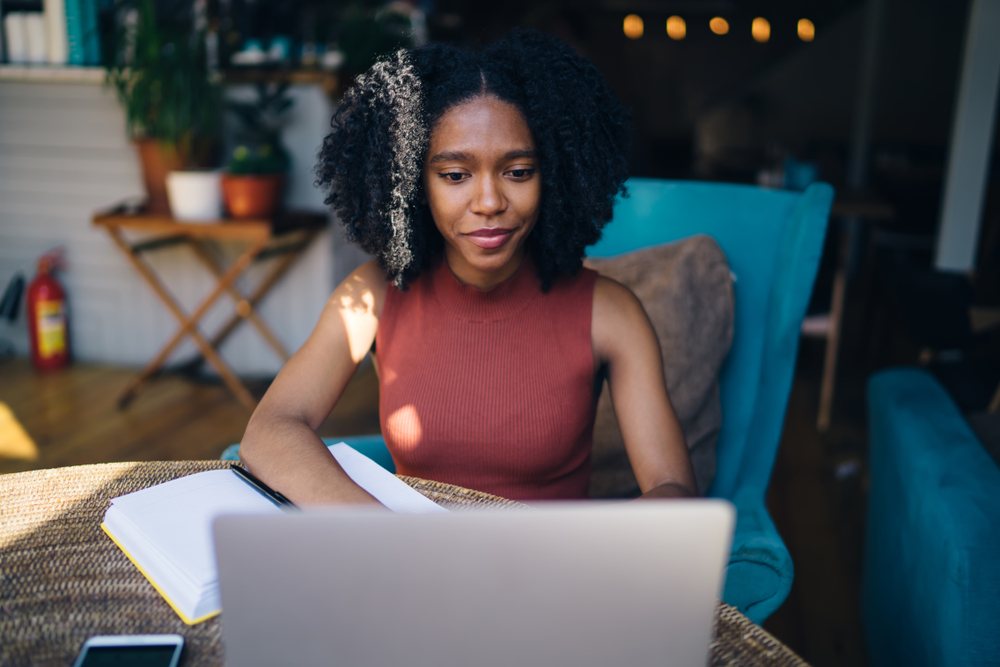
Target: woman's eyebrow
449, 156
462, 156
520, 153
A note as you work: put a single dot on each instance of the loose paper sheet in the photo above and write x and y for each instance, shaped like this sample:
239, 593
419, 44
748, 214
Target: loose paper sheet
388, 489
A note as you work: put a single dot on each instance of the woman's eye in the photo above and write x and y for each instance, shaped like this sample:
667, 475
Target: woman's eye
521, 173
453, 176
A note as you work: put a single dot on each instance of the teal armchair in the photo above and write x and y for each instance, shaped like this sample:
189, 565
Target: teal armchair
773, 240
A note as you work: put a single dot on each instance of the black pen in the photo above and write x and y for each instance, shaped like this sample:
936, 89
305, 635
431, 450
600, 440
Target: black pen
245, 475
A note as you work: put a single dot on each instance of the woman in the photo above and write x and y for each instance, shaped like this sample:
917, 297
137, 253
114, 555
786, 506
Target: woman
476, 180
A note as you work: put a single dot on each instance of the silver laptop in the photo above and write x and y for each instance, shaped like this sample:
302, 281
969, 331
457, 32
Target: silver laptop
584, 584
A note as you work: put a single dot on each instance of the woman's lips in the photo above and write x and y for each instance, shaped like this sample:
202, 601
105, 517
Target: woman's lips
490, 237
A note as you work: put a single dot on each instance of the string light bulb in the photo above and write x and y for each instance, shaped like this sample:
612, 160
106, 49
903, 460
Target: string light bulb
807, 31
761, 29
719, 25
676, 27
633, 26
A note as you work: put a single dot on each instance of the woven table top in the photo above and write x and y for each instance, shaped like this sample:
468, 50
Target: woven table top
62, 580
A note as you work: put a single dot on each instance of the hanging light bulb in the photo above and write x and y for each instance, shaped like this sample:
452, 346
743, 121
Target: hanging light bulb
633, 26
676, 27
761, 29
807, 31
719, 25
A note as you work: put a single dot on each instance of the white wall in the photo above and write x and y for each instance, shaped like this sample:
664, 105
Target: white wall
971, 142
63, 155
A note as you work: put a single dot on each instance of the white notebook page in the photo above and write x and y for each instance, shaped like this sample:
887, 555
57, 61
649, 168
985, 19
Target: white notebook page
176, 516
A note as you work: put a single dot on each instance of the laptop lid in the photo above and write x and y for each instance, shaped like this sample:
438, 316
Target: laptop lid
584, 584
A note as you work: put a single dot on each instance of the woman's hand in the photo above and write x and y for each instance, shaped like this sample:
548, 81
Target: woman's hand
625, 344
280, 444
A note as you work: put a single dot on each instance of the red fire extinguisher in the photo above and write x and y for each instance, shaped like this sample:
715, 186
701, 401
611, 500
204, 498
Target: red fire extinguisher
48, 321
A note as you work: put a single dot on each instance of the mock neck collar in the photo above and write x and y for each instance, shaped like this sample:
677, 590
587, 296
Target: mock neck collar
472, 304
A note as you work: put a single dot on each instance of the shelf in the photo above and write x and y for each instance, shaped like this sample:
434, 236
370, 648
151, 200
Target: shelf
285, 222
330, 81
52, 73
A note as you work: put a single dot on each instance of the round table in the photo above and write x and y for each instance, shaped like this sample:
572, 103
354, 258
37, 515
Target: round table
62, 580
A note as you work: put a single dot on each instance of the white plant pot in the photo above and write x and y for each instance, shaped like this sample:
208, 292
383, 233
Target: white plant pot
195, 196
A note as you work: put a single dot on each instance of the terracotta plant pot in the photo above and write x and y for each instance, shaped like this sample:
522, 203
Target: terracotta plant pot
252, 196
157, 160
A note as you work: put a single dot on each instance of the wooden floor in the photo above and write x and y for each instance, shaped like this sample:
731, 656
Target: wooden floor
817, 500
73, 419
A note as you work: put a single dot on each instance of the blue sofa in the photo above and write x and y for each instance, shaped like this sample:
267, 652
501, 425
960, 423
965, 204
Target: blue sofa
932, 551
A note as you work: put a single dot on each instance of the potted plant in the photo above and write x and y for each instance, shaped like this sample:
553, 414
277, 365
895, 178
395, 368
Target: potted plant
157, 64
254, 182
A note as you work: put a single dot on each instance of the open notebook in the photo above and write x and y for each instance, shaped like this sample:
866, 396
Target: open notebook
166, 530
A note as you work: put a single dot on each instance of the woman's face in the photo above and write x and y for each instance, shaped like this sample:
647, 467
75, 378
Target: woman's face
484, 188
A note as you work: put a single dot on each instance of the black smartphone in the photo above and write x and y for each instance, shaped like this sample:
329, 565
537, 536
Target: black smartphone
131, 651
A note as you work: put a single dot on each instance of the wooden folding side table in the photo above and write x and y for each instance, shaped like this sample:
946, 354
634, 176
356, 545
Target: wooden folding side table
828, 325
287, 236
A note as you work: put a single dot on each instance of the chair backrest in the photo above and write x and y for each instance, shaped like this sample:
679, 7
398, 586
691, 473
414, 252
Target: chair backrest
773, 240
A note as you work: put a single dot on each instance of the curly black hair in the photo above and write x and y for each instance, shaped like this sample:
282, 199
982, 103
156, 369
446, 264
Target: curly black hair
372, 161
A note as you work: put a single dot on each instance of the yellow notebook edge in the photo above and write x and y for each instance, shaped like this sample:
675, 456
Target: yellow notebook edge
159, 590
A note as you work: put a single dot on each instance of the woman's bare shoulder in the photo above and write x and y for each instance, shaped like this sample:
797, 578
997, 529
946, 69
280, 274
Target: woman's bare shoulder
612, 299
371, 274
364, 288
617, 316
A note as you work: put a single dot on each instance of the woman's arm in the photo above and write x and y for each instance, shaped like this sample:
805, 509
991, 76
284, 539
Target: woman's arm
626, 345
280, 444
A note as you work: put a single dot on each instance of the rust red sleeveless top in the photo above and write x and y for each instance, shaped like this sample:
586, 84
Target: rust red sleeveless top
491, 390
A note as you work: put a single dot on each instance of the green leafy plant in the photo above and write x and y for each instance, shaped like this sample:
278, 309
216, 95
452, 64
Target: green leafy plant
259, 149
363, 30
259, 161
369, 31
158, 66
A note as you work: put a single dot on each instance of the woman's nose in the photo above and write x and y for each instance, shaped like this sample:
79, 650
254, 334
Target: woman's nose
489, 198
